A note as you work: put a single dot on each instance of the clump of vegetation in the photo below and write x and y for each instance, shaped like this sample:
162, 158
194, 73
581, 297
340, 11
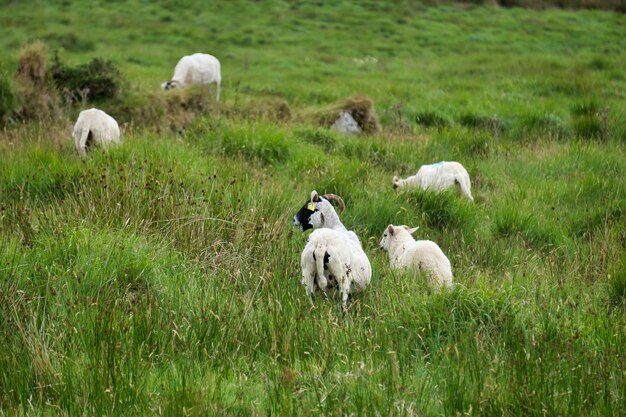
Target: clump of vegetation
97, 80
7, 97
617, 289
37, 95
360, 107
545, 124
429, 118
173, 110
491, 123
322, 137
443, 210
269, 108
590, 120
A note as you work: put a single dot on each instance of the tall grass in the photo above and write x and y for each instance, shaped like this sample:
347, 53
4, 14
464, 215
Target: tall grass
161, 277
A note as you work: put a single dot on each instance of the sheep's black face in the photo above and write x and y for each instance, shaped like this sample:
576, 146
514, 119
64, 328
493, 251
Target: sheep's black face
168, 85
303, 217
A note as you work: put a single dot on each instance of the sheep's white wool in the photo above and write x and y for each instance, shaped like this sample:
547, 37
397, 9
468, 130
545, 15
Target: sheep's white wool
94, 127
423, 255
330, 256
196, 69
333, 254
438, 176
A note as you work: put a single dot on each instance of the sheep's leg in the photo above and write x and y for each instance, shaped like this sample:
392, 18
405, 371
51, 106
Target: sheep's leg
345, 291
308, 273
308, 280
217, 95
81, 142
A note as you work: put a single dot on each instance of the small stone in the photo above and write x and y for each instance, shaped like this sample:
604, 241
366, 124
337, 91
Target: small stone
345, 123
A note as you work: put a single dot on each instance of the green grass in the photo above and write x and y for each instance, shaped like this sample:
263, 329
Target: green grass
162, 277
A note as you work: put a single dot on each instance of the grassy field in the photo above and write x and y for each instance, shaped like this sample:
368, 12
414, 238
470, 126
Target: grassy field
163, 277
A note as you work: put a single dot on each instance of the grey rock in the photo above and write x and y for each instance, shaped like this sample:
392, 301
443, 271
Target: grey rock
345, 123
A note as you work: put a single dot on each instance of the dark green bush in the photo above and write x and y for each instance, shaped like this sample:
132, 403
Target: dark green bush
7, 97
97, 80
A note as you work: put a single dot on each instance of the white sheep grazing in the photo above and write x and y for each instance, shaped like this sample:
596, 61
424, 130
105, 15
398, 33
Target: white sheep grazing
196, 69
422, 255
438, 176
333, 255
94, 127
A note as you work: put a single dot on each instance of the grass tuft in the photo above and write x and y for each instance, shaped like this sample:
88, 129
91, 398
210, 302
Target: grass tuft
617, 284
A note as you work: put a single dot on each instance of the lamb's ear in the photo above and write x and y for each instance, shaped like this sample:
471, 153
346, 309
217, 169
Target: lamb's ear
390, 229
411, 231
315, 196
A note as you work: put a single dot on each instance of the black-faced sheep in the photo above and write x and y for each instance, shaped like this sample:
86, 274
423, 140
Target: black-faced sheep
333, 254
196, 69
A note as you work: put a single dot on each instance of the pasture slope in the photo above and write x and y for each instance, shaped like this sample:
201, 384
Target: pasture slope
161, 278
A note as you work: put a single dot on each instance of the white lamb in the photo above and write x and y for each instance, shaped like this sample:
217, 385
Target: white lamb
94, 127
422, 255
438, 176
196, 69
333, 256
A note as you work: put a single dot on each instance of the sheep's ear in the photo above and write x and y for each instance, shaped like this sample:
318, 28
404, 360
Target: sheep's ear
395, 178
411, 231
315, 196
390, 229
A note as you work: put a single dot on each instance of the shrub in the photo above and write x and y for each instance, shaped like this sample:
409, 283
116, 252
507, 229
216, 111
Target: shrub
7, 97
97, 80
38, 98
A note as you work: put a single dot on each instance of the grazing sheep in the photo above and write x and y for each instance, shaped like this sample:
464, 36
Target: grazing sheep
423, 255
94, 127
438, 176
333, 255
196, 69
